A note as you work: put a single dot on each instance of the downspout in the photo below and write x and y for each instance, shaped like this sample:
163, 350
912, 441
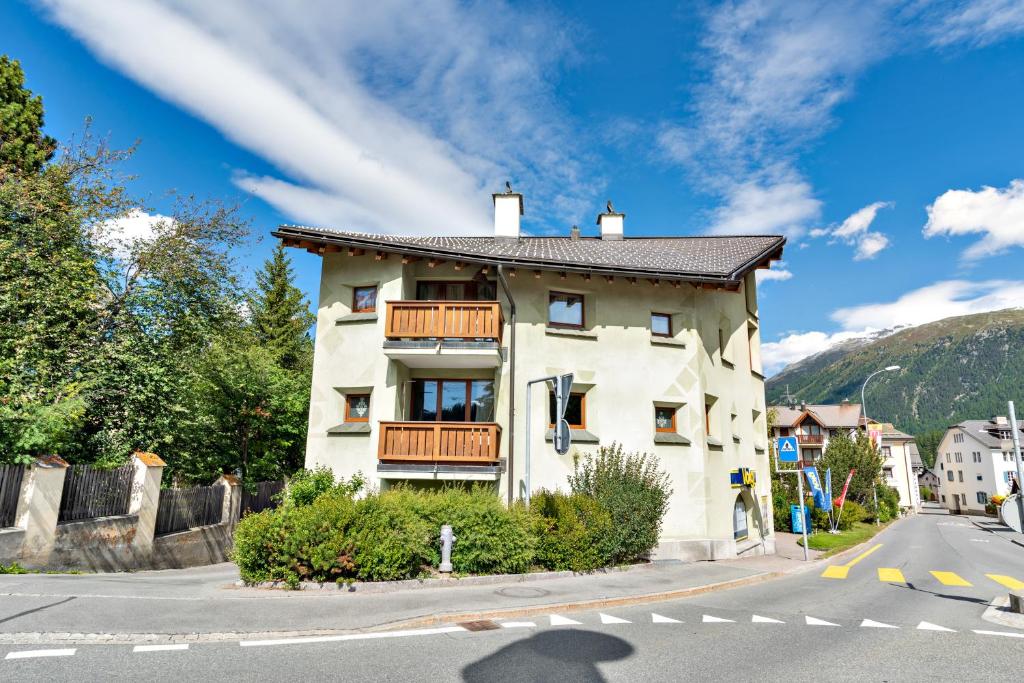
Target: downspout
511, 382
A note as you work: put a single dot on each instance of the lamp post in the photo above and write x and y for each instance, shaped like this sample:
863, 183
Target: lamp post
864, 408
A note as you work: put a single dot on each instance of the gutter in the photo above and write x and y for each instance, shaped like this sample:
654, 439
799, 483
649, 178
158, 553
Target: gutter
511, 380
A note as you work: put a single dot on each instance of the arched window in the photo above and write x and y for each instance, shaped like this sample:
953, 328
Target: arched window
739, 519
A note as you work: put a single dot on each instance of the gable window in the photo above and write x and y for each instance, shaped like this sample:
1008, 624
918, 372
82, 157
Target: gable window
452, 400
357, 408
364, 299
575, 412
661, 324
664, 419
565, 310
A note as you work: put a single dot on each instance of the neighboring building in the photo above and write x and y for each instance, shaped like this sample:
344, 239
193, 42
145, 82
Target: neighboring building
424, 346
930, 479
974, 462
898, 451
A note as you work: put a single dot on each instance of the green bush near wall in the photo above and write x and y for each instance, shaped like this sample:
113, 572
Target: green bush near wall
573, 531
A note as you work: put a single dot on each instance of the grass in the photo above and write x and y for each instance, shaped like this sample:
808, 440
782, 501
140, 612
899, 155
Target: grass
837, 543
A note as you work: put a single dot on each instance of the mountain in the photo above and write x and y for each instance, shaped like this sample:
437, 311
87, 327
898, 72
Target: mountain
953, 369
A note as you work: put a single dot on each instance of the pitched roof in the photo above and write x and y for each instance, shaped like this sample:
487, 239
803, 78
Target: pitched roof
711, 258
915, 456
979, 429
830, 415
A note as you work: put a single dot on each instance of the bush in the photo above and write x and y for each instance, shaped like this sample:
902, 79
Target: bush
255, 546
926, 493
573, 531
781, 515
633, 491
305, 486
390, 541
853, 513
888, 504
997, 500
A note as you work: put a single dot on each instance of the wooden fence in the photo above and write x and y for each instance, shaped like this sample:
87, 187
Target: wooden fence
183, 509
91, 492
10, 489
262, 497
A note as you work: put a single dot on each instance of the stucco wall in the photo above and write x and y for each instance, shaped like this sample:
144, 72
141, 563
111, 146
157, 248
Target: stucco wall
105, 544
193, 548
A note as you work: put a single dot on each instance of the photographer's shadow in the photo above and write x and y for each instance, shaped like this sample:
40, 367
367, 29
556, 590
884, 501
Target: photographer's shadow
562, 654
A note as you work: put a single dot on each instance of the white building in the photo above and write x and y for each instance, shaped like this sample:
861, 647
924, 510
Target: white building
975, 461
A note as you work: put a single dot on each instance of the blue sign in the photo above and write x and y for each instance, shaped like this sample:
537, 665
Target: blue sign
828, 490
795, 521
815, 483
787, 449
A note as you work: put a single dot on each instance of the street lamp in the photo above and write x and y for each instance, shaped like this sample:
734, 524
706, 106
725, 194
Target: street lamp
864, 408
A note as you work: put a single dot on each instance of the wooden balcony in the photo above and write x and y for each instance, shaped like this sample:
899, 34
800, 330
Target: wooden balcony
463, 320
810, 439
449, 443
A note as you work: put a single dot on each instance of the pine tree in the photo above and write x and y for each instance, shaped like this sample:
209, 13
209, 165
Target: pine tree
280, 314
23, 146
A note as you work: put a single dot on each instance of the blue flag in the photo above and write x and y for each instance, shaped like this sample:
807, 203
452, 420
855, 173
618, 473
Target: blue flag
828, 490
814, 482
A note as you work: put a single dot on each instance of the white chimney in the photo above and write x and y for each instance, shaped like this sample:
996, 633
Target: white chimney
611, 223
508, 207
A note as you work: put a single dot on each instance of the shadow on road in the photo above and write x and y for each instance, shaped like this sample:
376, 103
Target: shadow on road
36, 609
565, 655
961, 598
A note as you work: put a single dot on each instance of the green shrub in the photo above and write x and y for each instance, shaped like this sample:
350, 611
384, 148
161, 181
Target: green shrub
256, 541
781, 516
573, 531
305, 486
390, 540
888, 504
853, 513
633, 491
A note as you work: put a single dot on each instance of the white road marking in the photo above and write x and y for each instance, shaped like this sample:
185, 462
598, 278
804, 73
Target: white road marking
608, 619
979, 540
811, 621
28, 654
999, 633
563, 621
353, 636
518, 624
928, 626
160, 648
707, 619
756, 619
869, 623
658, 619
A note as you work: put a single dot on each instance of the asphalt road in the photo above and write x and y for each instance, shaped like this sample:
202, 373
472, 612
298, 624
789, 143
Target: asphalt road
805, 627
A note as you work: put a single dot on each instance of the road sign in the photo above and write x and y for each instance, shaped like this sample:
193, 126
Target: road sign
1010, 512
787, 449
563, 435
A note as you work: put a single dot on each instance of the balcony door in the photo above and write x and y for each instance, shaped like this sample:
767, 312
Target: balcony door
452, 400
457, 290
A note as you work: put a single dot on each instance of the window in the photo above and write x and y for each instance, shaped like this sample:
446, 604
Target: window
452, 400
809, 428
949, 475
947, 457
456, 290
784, 431
1008, 476
940, 465
963, 498
943, 498
980, 478
364, 299
664, 419
661, 324
357, 408
811, 454
739, 519
960, 475
708, 405
887, 451
575, 412
982, 497
565, 310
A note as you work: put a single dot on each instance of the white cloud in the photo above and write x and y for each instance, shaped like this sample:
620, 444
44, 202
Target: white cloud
997, 214
780, 207
979, 22
119, 234
854, 232
869, 245
779, 273
859, 221
798, 345
379, 116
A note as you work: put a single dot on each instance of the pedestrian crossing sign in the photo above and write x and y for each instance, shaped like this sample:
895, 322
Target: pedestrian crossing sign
787, 449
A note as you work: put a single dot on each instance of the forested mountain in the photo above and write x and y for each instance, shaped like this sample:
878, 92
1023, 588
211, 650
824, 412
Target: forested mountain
953, 369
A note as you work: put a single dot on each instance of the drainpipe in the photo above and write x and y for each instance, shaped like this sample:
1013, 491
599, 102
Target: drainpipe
511, 381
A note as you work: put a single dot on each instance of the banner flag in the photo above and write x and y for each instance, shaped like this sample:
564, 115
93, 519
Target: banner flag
846, 487
827, 498
814, 482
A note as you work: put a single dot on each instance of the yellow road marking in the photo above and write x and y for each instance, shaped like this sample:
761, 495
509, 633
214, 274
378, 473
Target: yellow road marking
890, 575
840, 571
950, 579
1008, 581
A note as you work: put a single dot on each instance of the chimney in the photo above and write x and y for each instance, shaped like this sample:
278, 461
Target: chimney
845, 402
611, 223
508, 207
574, 233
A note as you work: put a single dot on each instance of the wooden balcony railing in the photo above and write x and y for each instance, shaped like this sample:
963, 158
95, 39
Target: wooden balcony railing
452, 443
444, 320
810, 439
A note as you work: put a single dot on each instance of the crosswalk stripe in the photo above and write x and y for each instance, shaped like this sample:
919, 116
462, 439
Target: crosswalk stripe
563, 621
835, 572
708, 619
950, 579
890, 575
608, 619
160, 648
756, 619
928, 626
1008, 581
658, 619
870, 623
29, 654
813, 621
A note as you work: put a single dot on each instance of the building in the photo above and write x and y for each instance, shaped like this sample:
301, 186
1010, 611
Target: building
928, 478
814, 424
424, 346
975, 461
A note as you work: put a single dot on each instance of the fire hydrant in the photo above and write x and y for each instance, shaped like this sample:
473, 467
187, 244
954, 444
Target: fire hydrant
447, 538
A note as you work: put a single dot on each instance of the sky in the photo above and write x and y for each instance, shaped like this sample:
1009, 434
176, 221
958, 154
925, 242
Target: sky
884, 139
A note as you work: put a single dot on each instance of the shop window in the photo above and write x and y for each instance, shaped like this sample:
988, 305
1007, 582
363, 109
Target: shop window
357, 408
565, 310
739, 519
364, 299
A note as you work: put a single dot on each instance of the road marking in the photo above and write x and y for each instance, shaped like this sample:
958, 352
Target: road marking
708, 619
518, 624
1008, 581
928, 626
563, 621
1000, 633
950, 579
812, 621
890, 575
353, 636
29, 654
764, 620
979, 540
160, 648
869, 623
658, 619
608, 619
840, 571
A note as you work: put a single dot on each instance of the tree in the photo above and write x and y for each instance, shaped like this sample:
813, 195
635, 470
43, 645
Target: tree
280, 314
23, 146
844, 453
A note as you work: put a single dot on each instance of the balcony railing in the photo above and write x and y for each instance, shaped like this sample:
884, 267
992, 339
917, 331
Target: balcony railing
810, 439
467, 320
452, 443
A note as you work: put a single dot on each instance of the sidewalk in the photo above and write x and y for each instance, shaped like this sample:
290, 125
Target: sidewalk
206, 604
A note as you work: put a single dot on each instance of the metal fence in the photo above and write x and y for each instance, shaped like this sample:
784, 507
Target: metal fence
10, 490
182, 509
91, 492
262, 497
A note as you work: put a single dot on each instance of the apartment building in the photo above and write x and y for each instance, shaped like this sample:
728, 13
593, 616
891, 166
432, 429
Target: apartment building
975, 461
425, 345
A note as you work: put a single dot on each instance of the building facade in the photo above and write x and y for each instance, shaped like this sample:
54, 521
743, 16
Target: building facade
424, 347
975, 461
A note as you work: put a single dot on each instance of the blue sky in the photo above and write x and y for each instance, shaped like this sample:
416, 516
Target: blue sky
885, 139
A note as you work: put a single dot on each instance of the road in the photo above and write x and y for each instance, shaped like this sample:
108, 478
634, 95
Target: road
920, 626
